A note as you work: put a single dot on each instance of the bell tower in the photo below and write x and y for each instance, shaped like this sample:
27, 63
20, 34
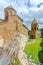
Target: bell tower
35, 31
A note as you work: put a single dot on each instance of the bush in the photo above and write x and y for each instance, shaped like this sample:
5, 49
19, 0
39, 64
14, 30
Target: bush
40, 55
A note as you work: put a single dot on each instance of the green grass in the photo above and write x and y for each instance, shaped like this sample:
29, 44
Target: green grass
29, 40
33, 49
17, 62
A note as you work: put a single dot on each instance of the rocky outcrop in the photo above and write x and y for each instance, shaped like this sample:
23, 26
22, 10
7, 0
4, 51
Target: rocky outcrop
15, 49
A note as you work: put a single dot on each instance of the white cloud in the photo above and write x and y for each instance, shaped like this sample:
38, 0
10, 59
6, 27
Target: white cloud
35, 2
3, 2
29, 13
27, 9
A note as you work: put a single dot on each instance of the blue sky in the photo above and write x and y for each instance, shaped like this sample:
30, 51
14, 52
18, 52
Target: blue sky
26, 9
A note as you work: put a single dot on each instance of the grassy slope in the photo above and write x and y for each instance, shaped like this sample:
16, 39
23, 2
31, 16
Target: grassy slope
17, 62
33, 49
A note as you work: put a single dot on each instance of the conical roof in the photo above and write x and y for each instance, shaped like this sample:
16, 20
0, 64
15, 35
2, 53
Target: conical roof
34, 21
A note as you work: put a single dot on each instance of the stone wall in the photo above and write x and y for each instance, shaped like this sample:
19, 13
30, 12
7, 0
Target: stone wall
11, 26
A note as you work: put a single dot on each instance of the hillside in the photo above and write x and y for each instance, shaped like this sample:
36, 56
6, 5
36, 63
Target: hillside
32, 51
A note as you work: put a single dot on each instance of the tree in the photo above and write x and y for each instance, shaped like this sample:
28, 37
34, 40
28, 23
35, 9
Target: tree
40, 54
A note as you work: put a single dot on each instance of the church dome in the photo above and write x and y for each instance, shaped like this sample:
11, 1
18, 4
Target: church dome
10, 8
9, 12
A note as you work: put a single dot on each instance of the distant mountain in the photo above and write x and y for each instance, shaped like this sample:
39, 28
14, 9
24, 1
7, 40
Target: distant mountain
41, 32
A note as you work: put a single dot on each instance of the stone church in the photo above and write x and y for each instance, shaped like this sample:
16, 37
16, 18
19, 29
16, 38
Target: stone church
11, 26
35, 32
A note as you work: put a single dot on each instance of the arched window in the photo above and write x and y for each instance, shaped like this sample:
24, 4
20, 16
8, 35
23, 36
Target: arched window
6, 15
35, 28
32, 28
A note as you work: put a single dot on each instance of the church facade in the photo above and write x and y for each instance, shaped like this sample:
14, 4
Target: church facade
12, 25
35, 31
